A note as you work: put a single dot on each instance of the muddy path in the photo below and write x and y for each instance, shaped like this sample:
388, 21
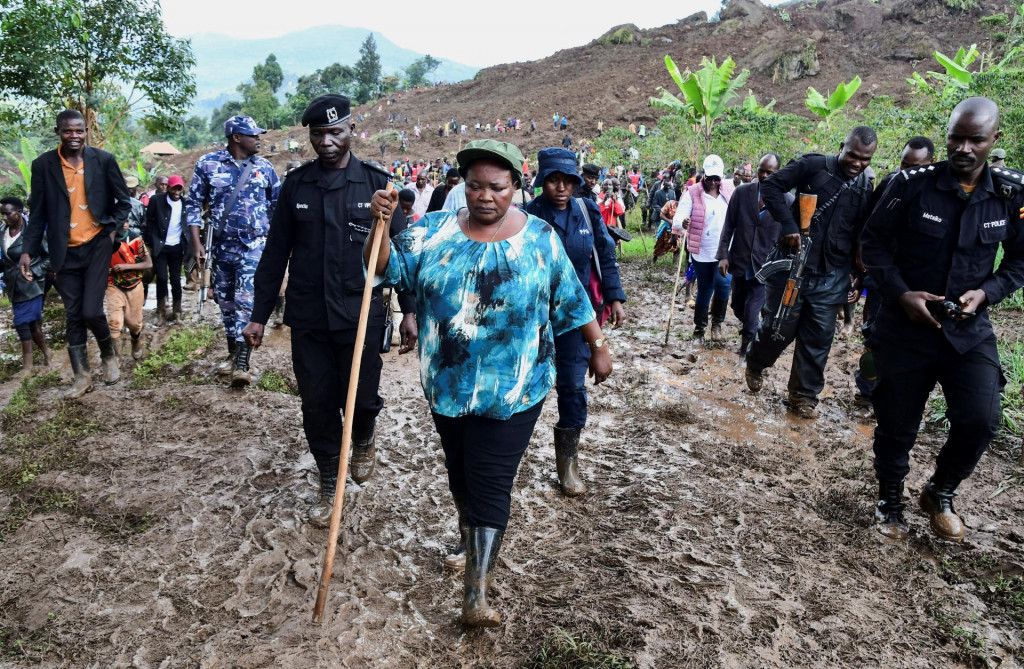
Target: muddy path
164, 527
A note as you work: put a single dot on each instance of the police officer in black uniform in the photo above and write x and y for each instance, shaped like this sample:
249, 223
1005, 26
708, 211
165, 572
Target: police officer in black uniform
843, 194
322, 219
930, 247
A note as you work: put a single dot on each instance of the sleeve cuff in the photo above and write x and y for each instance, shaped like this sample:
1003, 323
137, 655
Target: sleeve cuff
789, 227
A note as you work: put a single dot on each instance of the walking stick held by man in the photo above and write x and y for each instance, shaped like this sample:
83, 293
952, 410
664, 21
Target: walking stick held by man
379, 228
794, 263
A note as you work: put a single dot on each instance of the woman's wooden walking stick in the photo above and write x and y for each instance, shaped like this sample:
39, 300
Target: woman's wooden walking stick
379, 226
675, 288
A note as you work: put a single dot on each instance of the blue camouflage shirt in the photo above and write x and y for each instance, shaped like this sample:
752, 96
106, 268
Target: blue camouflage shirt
487, 312
214, 180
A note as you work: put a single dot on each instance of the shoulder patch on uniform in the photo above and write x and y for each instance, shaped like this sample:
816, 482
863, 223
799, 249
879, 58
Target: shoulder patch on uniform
917, 171
375, 167
1008, 183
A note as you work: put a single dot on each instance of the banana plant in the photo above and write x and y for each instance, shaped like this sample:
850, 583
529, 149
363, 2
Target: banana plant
23, 177
706, 93
827, 108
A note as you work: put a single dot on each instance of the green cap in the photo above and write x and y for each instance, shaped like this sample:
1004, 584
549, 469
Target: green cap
999, 154
503, 152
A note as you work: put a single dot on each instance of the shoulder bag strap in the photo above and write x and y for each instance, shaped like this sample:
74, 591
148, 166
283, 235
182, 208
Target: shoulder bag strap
242, 180
590, 227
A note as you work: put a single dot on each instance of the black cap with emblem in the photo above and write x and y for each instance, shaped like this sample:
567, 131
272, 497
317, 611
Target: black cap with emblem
327, 110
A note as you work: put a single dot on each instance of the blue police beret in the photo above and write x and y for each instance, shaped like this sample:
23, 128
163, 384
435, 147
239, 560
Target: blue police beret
327, 110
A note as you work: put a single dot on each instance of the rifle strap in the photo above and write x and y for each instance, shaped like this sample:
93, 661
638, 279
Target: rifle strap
233, 198
590, 227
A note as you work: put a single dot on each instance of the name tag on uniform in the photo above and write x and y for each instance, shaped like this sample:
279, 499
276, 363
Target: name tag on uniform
931, 217
301, 205
994, 224
363, 205
584, 231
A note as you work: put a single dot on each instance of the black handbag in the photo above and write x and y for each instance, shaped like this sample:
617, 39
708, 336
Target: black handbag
389, 325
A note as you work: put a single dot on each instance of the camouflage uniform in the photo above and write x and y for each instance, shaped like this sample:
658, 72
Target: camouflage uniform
239, 245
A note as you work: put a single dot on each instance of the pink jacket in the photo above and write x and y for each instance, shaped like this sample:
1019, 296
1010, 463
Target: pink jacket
696, 230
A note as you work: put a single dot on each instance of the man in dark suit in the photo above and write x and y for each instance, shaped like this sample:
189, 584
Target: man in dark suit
80, 198
748, 234
167, 238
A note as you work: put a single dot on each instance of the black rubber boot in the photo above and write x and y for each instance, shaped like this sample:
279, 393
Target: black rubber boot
456, 560
481, 554
700, 321
717, 310
889, 510
240, 375
80, 366
228, 364
744, 345
567, 443
364, 457
937, 502
320, 512
111, 361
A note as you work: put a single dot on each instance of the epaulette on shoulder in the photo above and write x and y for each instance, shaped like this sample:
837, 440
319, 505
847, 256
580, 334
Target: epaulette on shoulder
375, 167
918, 172
1008, 183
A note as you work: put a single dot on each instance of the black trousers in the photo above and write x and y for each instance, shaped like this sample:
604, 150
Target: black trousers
812, 323
168, 266
972, 383
322, 360
747, 301
82, 283
482, 457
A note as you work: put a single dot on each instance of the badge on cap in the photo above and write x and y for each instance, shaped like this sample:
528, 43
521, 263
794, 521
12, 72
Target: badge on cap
332, 115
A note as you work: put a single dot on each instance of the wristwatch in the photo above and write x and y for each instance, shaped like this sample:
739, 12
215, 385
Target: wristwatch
597, 344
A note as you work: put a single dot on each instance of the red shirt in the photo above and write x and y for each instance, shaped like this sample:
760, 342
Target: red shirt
127, 253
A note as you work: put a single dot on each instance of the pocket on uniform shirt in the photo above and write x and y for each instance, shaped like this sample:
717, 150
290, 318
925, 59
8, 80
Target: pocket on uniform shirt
928, 227
994, 233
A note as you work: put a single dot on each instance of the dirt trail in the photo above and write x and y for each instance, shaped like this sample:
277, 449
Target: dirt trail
718, 531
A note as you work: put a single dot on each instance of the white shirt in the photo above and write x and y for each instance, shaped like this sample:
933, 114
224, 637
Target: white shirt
714, 221
174, 226
456, 198
419, 207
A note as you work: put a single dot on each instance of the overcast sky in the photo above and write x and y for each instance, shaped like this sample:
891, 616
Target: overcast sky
472, 32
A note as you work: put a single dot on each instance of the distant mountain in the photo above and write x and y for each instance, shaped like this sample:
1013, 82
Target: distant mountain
223, 62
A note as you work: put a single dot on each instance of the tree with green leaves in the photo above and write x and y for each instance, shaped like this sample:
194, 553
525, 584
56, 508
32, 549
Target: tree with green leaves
368, 70
73, 53
418, 73
269, 73
335, 78
836, 102
706, 93
23, 177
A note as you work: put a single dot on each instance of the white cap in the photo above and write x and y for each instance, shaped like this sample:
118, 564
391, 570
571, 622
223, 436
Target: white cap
714, 167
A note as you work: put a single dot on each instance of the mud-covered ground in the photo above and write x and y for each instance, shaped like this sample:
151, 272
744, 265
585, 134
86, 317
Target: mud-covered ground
164, 527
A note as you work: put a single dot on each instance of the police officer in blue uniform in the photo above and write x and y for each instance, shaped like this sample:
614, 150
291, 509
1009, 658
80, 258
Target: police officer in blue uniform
322, 219
238, 190
930, 247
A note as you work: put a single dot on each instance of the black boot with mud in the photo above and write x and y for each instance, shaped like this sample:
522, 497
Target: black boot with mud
803, 407
456, 560
481, 554
717, 311
228, 364
111, 361
889, 520
161, 311
567, 443
175, 311
700, 322
136, 346
754, 378
937, 502
80, 366
320, 512
364, 457
241, 377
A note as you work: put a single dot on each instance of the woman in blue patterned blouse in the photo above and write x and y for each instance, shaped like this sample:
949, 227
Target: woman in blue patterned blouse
493, 289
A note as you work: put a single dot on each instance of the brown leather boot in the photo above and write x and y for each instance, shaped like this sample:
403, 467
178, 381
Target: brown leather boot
136, 346
80, 365
364, 458
937, 502
241, 377
320, 512
481, 554
456, 560
175, 311
566, 447
889, 511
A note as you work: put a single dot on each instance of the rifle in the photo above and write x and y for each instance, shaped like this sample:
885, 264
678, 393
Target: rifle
205, 265
794, 263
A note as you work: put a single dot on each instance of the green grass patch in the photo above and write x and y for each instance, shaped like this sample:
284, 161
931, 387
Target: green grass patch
1011, 355
962, 5
25, 399
4, 301
995, 582
30, 646
276, 382
179, 349
576, 650
969, 646
995, 20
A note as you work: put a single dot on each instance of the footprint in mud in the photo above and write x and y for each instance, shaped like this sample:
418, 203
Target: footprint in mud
259, 584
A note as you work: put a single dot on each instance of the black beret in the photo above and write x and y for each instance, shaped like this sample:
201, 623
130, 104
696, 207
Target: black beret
326, 110
591, 170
